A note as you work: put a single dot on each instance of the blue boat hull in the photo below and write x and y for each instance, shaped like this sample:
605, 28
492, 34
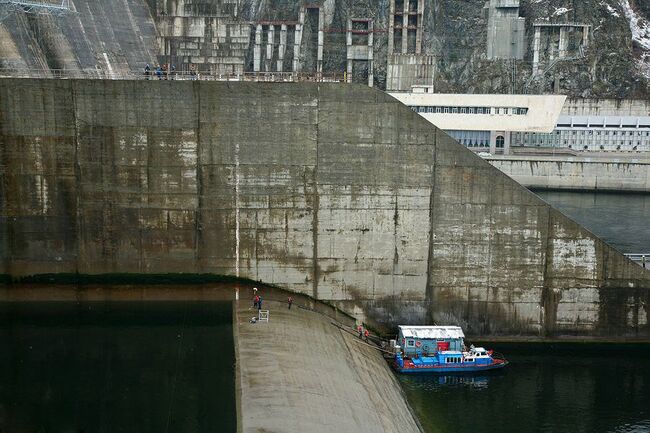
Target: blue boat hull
444, 369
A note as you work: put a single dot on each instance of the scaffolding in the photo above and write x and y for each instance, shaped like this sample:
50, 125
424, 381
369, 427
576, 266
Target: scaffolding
45, 7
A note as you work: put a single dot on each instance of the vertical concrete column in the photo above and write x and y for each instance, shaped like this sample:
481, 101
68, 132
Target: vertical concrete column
405, 23
270, 39
257, 49
282, 47
506, 142
391, 28
297, 41
564, 42
585, 36
348, 35
420, 23
321, 40
371, 54
493, 142
536, 42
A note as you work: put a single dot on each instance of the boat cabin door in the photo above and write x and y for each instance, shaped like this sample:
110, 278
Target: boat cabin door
443, 345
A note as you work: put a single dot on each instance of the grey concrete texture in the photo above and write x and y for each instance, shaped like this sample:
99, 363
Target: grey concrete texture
619, 173
97, 37
336, 191
299, 373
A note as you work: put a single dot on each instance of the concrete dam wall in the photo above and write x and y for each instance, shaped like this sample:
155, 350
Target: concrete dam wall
336, 191
98, 38
627, 173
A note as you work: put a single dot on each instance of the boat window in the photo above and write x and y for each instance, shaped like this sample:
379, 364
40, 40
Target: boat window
410, 343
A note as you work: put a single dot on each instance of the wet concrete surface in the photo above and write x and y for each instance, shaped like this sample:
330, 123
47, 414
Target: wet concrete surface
300, 373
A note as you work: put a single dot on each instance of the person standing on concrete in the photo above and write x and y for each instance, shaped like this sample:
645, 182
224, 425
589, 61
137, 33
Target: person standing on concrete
366, 334
360, 331
147, 72
259, 302
256, 301
290, 301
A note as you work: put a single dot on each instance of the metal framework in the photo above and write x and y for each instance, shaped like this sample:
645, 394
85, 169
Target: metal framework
52, 7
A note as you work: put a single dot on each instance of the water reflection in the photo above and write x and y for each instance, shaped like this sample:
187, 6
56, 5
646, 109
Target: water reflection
116, 367
555, 390
434, 382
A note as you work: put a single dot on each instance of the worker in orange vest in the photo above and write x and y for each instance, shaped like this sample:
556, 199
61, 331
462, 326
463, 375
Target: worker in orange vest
366, 334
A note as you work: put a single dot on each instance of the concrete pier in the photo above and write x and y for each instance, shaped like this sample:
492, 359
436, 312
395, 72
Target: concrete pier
299, 373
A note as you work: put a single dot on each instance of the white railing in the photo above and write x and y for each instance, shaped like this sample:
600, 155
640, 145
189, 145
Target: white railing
176, 75
642, 259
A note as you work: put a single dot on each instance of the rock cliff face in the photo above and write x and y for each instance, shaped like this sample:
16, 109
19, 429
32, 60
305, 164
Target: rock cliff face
227, 36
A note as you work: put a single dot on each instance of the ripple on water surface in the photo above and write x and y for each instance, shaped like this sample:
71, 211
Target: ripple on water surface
600, 391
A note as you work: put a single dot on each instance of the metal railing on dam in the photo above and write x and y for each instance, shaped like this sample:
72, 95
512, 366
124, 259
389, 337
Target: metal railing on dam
282, 77
641, 259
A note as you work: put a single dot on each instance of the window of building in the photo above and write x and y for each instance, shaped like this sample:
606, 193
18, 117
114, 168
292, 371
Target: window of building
471, 110
454, 110
480, 110
463, 110
446, 109
500, 141
438, 109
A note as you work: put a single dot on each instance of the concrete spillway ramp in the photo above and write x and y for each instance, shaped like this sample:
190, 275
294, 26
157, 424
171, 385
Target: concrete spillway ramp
299, 373
97, 37
332, 190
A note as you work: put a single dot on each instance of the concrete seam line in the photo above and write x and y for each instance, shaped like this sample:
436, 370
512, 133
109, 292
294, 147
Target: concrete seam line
238, 376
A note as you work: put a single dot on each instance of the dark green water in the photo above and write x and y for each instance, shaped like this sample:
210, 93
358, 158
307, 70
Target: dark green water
117, 367
576, 389
622, 220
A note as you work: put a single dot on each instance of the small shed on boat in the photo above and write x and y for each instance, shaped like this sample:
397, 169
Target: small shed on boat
418, 340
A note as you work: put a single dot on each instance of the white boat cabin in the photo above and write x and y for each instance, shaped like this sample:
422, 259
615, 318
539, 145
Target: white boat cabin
426, 340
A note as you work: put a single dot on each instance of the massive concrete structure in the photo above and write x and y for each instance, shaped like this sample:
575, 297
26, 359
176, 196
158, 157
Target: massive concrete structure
338, 191
506, 30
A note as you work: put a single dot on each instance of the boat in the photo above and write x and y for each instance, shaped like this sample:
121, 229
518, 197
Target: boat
441, 349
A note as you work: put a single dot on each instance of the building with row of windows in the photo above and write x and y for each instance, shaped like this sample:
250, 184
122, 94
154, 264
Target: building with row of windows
495, 123
585, 133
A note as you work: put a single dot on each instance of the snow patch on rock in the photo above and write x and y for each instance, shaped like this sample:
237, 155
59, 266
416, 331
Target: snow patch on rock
613, 12
560, 11
640, 29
